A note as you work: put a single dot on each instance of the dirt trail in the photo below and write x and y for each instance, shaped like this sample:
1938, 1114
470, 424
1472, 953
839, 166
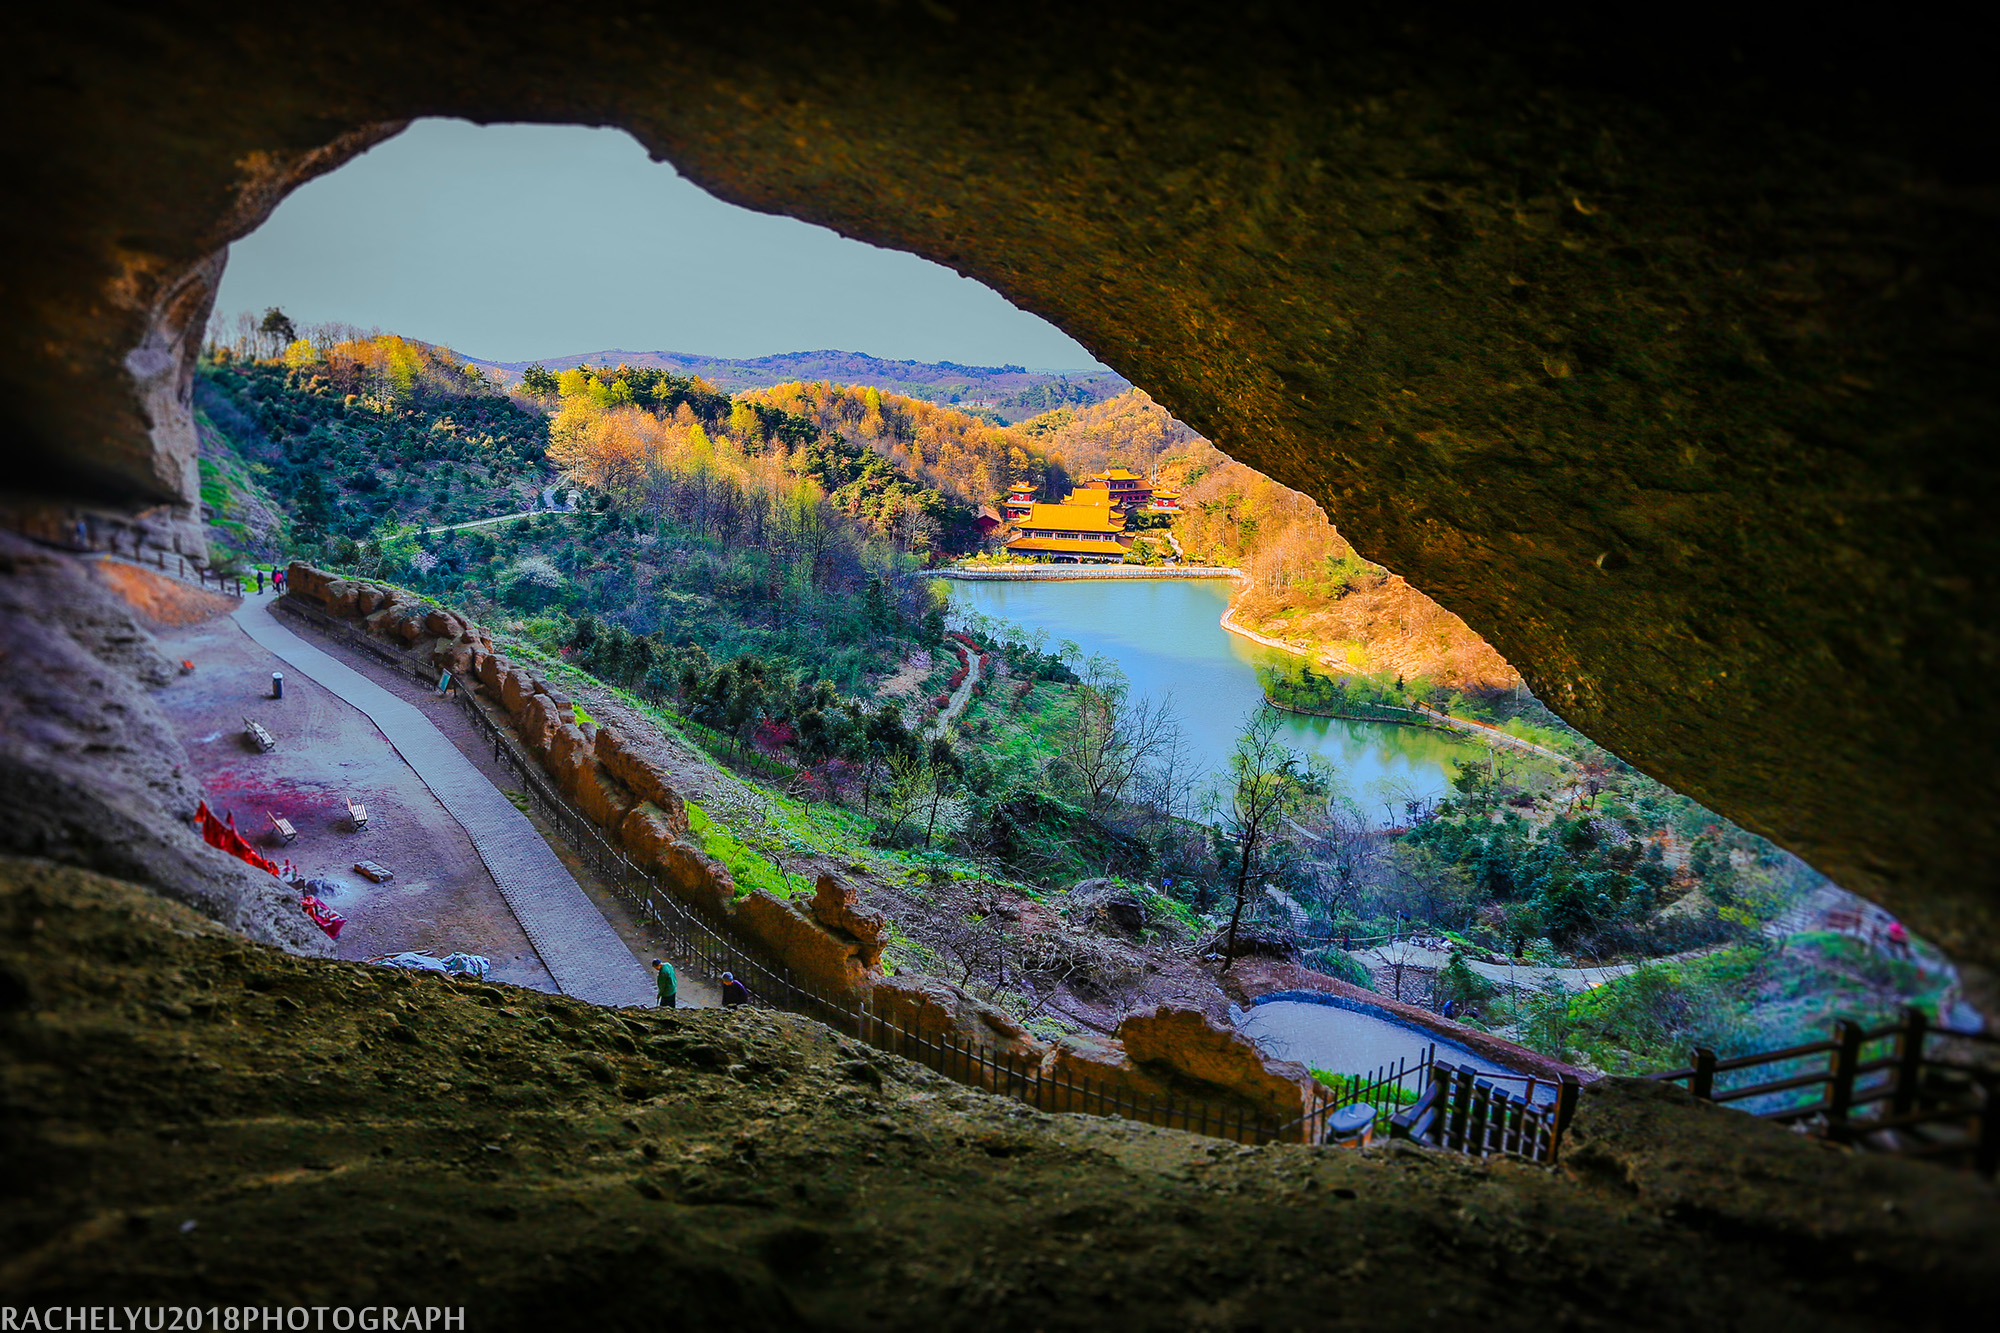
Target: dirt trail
959, 697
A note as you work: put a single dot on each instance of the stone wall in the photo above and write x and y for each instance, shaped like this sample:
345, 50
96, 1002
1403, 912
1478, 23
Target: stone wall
829, 940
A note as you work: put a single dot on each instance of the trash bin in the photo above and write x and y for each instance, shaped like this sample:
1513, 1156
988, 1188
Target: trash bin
1351, 1126
277, 684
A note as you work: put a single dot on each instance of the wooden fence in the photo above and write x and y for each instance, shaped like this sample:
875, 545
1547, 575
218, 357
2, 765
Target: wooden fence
693, 937
1901, 1088
1465, 1110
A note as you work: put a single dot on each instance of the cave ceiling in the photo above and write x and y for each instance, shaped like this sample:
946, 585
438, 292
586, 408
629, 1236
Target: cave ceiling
1663, 357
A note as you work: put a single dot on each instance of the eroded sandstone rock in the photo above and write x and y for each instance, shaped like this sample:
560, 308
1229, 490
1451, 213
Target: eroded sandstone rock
933, 1007
837, 908
824, 962
642, 775
696, 876
1194, 1047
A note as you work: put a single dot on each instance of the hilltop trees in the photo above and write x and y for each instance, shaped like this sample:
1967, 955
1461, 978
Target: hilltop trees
537, 382
662, 445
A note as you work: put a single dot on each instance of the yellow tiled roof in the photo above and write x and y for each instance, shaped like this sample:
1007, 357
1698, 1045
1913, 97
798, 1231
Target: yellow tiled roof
1079, 518
1095, 499
1114, 474
1067, 546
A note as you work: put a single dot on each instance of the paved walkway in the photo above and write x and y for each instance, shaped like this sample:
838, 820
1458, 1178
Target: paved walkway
1516, 974
501, 518
577, 945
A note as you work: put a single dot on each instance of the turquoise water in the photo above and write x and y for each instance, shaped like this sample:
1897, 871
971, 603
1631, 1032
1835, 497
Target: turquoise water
1166, 635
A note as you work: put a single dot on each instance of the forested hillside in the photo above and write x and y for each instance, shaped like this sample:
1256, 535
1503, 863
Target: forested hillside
753, 568
732, 528
1003, 393
970, 459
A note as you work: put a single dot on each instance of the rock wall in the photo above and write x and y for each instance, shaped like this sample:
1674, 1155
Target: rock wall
91, 772
830, 941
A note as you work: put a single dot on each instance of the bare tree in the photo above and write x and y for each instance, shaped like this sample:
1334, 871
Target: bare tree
1268, 785
1112, 740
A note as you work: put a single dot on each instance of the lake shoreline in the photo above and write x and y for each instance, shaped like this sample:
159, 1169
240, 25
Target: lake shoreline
1030, 573
1414, 720
1167, 638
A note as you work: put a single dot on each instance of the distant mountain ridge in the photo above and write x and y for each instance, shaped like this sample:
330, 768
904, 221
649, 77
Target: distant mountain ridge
1010, 393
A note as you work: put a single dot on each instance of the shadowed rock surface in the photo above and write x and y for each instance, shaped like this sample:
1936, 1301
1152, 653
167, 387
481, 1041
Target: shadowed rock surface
192, 1118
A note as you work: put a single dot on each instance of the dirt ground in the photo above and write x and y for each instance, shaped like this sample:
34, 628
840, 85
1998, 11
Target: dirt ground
212, 1121
442, 897
645, 942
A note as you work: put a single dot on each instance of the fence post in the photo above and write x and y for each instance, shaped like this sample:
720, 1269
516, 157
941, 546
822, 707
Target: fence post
1475, 1125
1702, 1085
1846, 1055
1909, 1061
1566, 1097
1986, 1156
1461, 1107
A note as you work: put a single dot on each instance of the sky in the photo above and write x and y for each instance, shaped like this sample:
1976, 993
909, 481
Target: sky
512, 242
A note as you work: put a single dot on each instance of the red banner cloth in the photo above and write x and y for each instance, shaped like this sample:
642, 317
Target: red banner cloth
225, 838
323, 916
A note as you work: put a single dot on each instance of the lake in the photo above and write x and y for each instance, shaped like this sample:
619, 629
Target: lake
1167, 637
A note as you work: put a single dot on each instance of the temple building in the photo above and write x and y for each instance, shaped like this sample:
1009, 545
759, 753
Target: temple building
1087, 530
1020, 499
1128, 490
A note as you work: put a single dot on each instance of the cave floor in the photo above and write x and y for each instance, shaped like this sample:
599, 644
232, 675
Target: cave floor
190, 1118
442, 897
640, 935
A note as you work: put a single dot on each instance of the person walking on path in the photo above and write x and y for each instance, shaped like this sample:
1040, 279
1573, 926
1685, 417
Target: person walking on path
734, 992
663, 972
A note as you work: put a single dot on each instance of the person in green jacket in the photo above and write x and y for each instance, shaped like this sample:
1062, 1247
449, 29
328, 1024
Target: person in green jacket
669, 985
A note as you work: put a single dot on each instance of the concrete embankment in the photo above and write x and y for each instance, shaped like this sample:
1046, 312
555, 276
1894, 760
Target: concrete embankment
1031, 572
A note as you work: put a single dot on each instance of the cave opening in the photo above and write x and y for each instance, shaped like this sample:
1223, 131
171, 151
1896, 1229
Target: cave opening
1540, 856
1656, 369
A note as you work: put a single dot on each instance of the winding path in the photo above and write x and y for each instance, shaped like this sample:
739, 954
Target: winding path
582, 952
1506, 974
959, 697
500, 518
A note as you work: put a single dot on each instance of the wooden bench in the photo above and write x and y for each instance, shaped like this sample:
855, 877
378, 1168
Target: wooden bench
357, 813
262, 738
284, 826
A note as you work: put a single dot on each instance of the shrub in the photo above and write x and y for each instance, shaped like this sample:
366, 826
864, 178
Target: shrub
1335, 963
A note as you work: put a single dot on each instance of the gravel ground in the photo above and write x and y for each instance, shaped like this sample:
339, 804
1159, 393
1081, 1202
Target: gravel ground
639, 935
441, 899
